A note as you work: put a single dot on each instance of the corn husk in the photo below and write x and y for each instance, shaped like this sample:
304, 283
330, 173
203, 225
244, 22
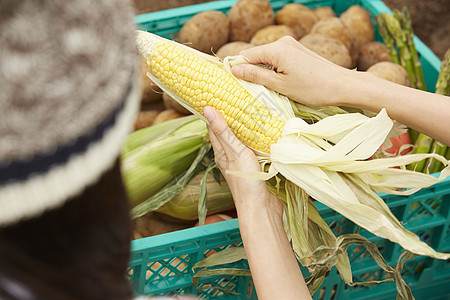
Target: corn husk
185, 205
155, 155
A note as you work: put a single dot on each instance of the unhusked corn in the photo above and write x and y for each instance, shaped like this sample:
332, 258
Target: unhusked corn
203, 83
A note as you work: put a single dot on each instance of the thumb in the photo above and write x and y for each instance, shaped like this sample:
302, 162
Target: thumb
256, 74
223, 135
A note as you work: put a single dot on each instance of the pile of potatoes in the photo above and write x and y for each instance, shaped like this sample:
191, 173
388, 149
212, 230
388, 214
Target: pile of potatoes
347, 40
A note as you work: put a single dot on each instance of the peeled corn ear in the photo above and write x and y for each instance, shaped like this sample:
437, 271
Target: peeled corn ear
200, 82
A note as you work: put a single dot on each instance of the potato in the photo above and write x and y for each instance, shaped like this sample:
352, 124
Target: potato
335, 28
205, 31
298, 17
167, 115
247, 17
390, 71
328, 47
371, 53
145, 118
170, 103
324, 12
150, 91
358, 21
271, 34
233, 48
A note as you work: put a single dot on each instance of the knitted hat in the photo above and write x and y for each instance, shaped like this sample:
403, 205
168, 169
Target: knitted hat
68, 98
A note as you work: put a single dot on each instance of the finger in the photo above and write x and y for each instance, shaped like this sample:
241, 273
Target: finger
219, 154
258, 55
257, 74
231, 145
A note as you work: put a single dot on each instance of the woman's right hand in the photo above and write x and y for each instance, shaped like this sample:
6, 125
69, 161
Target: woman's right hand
296, 72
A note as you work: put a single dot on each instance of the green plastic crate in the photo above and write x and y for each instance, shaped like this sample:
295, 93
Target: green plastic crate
162, 265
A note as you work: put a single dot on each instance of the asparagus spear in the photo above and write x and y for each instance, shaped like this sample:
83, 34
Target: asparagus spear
394, 27
407, 27
442, 88
433, 164
443, 81
422, 145
387, 38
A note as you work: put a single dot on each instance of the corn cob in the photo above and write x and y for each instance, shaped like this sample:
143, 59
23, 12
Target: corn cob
201, 83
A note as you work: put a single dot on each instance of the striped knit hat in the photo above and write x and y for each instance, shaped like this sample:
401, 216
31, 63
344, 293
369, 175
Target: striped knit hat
68, 98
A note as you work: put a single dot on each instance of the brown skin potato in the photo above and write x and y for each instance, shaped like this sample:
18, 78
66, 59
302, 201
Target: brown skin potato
298, 17
335, 28
329, 48
205, 31
170, 103
271, 34
233, 48
390, 71
145, 118
358, 21
247, 17
324, 12
371, 53
167, 115
150, 92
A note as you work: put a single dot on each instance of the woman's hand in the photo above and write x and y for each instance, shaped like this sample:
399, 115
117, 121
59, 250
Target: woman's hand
308, 78
275, 270
232, 155
297, 72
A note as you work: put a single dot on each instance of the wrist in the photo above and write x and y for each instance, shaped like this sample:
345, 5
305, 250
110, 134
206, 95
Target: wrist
259, 208
350, 88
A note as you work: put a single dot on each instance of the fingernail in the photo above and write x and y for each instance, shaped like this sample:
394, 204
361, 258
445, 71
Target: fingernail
238, 71
208, 112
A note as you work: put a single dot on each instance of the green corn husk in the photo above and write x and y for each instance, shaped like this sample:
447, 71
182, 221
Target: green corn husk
153, 156
185, 205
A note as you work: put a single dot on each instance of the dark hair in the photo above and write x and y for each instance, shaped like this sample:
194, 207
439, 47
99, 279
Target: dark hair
78, 251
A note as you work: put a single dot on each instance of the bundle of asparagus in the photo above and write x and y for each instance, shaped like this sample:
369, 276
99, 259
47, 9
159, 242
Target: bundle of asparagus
397, 33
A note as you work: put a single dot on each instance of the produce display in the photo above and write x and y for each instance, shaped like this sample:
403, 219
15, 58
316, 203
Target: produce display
169, 167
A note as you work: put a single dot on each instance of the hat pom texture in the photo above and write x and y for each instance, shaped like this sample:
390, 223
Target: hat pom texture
69, 96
